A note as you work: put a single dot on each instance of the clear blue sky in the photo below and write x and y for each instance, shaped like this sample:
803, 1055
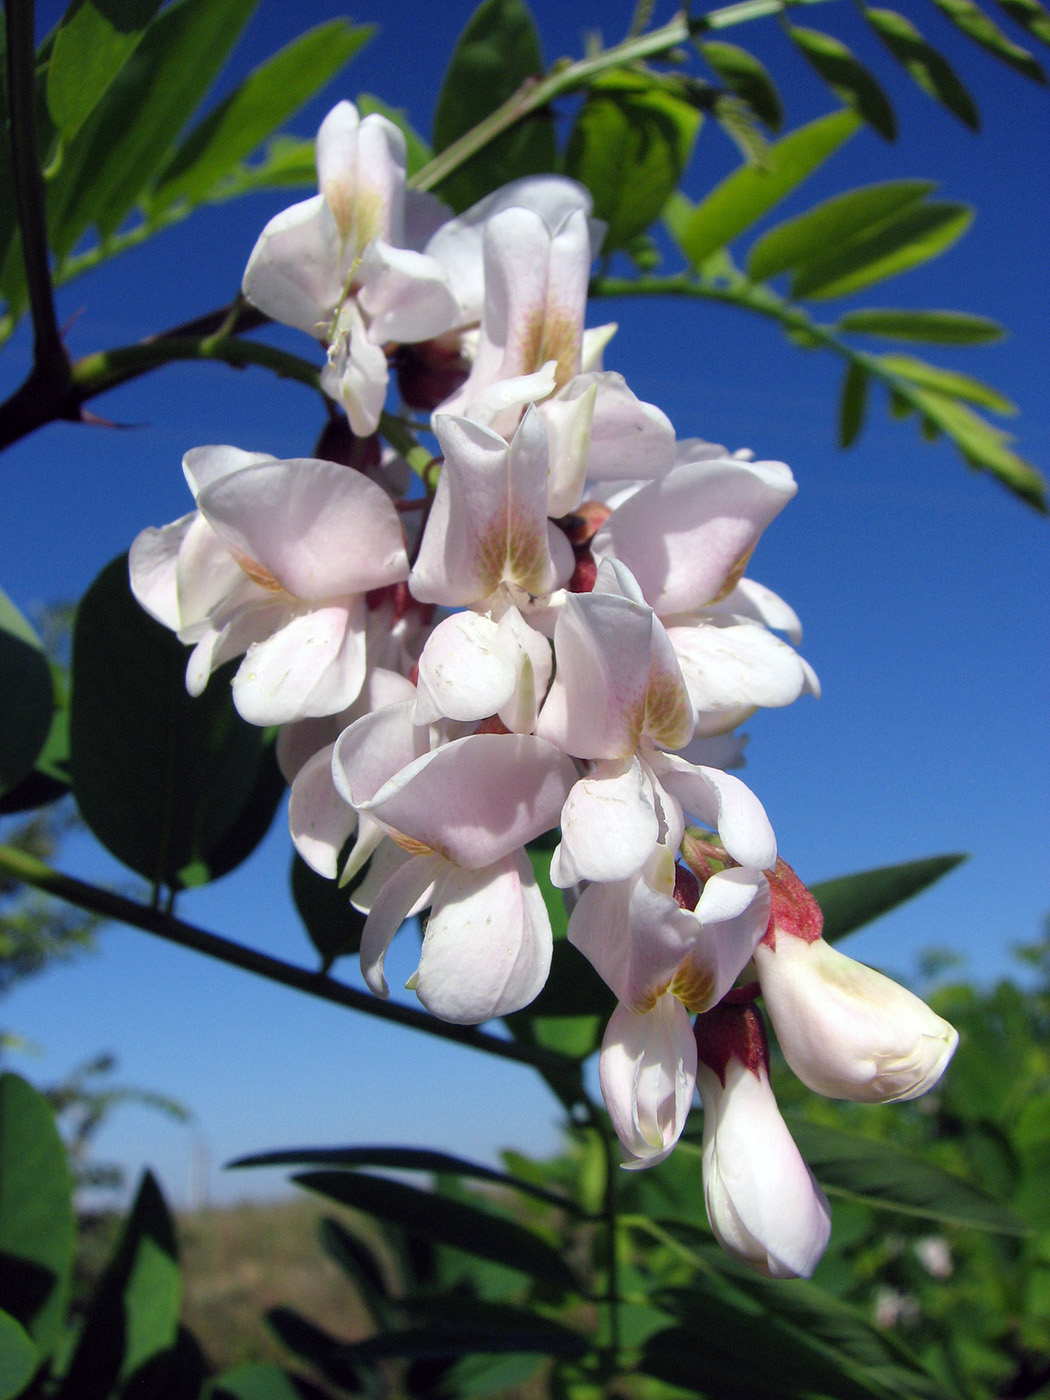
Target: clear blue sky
922, 588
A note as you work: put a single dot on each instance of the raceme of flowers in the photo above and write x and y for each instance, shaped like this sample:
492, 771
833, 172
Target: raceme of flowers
557, 636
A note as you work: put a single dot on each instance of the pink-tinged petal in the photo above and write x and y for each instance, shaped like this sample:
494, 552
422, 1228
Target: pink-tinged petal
230, 634
209, 581
489, 520
458, 243
669, 719
759, 604
487, 948
406, 888
357, 373
404, 294
846, 1030
608, 826
647, 1071
568, 421
151, 569
299, 741
373, 749
320, 821
734, 913
317, 529
387, 858
736, 668
725, 803
380, 194
477, 799
686, 535
314, 665
499, 405
629, 438
596, 705
533, 662
465, 672
424, 216
716, 751
763, 1204
298, 267
595, 340
203, 465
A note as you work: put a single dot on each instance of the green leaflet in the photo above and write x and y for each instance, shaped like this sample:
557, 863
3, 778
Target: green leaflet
91, 46
26, 696
975, 24
498, 50
747, 78
743, 197
933, 327
849, 80
832, 224
851, 901
947, 381
852, 403
932, 72
630, 145
249, 115
37, 1225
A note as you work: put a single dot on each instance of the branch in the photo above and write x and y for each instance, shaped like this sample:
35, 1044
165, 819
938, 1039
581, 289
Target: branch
20, 865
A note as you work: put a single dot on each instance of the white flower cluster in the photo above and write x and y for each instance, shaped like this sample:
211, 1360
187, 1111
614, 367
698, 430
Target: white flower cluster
568, 642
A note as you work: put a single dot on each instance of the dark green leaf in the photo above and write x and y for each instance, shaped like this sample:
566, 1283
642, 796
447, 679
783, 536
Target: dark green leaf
252, 112
26, 696
18, 1357
288, 163
901, 243
118, 151
931, 327
255, 1380
94, 41
334, 925
852, 403
411, 1159
854, 900
37, 1225
947, 381
444, 1221
885, 1175
1031, 15
832, 224
133, 1318
325, 1353
532, 1335
498, 50
976, 25
848, 79
418, 152
744, 75
359, 1264
931, 71
178, 789
629, 145
743, 197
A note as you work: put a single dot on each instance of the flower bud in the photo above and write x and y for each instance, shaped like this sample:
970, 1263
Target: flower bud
763, 1203
846, 1031
647, 1070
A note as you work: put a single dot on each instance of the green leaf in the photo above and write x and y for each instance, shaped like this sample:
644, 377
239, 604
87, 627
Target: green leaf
256, 1380
179, 789
519, 1332
629, 145
118, 151
93, 42
444, 1221
252, 112
933, 73
413, 1159
886, 1176
1031, 15
983, 446
37, 1225
327, 1354
976, 25
852, 403
18, 1357
359, 1264
831, 224
287, 163
851, 901
886, 250
744, 75
418, 152
133, 1319
947, 381
931, 327
498, 50
334, 925
26, 696
848, 79
743, 197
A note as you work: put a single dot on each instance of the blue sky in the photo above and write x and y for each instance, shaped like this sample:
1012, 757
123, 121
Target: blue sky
922, 588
